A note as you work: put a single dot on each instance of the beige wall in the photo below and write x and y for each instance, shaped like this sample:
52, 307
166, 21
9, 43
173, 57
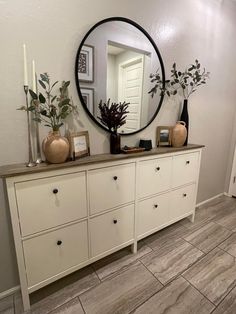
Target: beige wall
183, 30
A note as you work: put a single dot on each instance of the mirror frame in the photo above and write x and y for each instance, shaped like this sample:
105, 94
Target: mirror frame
126, 20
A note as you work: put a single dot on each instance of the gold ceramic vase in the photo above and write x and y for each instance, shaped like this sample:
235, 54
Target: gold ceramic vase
55, 147
179, 134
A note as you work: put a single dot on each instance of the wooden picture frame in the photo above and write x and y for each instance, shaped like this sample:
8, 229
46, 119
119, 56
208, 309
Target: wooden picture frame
79, 144
88, 97
86, 64
164, 134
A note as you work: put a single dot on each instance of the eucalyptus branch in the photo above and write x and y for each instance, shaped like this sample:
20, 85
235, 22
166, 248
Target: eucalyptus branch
188, 80
52, 110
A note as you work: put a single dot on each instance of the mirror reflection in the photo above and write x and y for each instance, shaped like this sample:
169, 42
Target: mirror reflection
115, 62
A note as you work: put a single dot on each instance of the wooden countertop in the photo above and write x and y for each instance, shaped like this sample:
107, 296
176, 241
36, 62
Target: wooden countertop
21, 169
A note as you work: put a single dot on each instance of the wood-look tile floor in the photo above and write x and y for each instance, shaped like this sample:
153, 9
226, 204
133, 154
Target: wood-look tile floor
185, 268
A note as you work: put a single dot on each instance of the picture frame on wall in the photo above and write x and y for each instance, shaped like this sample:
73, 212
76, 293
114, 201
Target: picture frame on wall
88, 97
86, 64
163, 135
79, 144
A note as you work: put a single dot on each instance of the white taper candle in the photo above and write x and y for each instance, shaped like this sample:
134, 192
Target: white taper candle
33, 77
25, 67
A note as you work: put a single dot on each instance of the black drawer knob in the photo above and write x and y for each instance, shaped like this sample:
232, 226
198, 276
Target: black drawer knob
187, 162
55, 191
155, 205
115, 178
115, 221
59, 242
184, 195
158, 168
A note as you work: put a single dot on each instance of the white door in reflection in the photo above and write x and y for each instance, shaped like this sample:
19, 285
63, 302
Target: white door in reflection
130, 89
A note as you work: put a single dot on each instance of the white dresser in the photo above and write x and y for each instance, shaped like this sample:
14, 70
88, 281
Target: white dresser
67, 216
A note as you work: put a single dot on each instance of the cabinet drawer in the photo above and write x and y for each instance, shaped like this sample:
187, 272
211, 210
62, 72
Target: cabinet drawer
111, 229
45, 256
153, 213
182, 201
110, 187
49, 202
185, 169
154, 176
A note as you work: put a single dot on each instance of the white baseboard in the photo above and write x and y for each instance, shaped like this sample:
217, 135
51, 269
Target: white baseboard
210, 199
227, 194
11, 291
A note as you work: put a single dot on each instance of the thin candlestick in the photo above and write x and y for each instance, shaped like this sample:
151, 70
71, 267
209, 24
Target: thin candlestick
39, 159
30, 163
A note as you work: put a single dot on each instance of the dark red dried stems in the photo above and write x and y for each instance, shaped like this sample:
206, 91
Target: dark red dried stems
113, 115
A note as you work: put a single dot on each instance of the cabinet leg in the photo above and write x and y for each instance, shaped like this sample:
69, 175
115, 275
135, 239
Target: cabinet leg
134, 248
192, 217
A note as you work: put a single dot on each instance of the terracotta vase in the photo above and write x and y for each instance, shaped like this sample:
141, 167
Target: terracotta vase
179, 134
115, 143
55, 147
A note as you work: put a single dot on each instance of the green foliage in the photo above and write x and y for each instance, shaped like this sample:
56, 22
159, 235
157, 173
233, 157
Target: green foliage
188, 80
51, 109
113, 115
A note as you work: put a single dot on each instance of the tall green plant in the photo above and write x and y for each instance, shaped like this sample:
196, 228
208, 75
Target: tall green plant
187, 81
50, 108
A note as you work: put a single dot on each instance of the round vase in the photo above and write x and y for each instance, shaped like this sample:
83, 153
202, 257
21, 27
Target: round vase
184, 117
115, 143
179, 134
55, 148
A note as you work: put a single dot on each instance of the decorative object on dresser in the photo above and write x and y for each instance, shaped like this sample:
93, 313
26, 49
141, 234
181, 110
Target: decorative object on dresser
125, 54
131, 149
30, 162
179, 134
52, 110
146, 144
113, 116
187, 81
163, 135
73, 214
79, 144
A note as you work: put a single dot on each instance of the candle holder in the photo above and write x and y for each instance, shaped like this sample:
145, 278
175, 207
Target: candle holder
30, 163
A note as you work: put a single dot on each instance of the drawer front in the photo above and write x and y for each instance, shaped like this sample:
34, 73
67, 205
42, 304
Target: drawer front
185, 169
45, 256
154, 176
182, 201
49, 202
110, 187
153, 213
111, 229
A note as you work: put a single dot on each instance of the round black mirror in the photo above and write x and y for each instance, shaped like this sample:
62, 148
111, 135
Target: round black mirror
114, 61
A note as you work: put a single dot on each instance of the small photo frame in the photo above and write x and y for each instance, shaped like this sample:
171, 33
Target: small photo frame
79, 144
88, 98
86, 64
164, 134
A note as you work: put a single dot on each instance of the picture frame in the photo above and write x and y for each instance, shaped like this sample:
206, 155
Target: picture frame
164, 134
86, 64
79, 144
88, 97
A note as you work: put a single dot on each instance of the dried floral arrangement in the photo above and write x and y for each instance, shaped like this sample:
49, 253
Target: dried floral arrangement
188, 80
113, 115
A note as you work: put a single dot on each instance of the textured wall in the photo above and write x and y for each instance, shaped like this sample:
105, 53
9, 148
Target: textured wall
183, 30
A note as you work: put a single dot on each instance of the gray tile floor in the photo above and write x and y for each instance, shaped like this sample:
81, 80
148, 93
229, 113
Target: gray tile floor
185, 268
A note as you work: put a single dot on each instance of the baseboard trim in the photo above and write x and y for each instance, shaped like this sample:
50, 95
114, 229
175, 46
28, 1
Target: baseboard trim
11, 291
210, 199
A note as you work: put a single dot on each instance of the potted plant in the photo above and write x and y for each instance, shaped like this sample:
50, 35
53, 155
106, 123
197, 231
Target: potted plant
52, 109
113, 116
186, 81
